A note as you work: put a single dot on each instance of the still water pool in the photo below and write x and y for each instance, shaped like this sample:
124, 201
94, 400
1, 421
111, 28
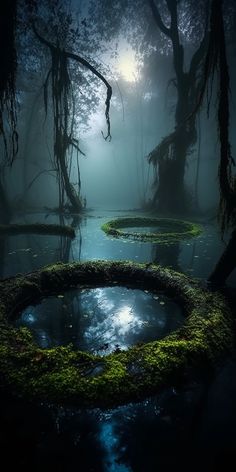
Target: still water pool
101, 320
189, 427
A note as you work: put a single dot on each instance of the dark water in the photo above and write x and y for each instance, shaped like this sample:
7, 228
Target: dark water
101, 320
191, 428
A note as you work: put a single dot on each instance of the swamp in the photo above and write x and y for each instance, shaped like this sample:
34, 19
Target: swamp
117, 235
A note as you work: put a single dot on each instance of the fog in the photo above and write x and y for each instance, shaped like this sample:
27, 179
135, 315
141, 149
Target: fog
117, 144
114, 172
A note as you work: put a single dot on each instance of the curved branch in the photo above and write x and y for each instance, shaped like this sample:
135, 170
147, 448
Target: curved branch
172, 6
202, 49
198, 57
75, 143
41, 39
45, 171
89, 66
158, 19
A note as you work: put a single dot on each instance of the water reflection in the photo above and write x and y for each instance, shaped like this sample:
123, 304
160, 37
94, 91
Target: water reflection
189, 428
102, 320
27, 252
167, 255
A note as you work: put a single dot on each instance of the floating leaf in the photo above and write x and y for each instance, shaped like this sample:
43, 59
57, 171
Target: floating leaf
39, 356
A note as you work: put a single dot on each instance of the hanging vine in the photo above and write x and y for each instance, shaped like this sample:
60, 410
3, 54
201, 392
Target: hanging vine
216, 65
63, 119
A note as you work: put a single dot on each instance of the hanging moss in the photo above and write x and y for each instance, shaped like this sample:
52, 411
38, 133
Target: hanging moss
37, 228
64, 375
170, 230
63, 108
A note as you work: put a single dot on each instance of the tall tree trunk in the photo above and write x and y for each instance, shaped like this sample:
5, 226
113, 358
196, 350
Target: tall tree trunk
5, 210
171, 196
74, 199
8, 131
171, 154
226, 263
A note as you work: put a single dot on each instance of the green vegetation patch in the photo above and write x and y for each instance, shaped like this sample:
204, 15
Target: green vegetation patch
68, 376
37, 228
171, 230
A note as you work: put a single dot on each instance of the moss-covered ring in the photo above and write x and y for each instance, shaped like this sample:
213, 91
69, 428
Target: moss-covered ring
171, 230
66, 376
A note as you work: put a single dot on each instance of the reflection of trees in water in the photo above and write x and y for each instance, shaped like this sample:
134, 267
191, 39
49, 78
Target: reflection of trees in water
64, 249
59, 330
162, 432
28, 252
150, 436
167, 255
3, 244
76, 224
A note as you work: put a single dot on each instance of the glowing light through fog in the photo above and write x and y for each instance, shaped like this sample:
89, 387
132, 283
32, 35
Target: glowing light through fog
128, 67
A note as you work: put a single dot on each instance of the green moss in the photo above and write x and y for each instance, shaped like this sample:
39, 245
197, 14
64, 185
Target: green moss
171, 230
37, 228
63, 375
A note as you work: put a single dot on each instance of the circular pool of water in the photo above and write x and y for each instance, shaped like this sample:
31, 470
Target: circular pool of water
101, 320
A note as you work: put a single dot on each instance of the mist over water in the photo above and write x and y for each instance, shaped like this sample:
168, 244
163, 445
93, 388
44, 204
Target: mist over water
109, 126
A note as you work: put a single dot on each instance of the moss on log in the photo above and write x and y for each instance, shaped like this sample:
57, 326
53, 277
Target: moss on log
171, 230
66, 376
37, 228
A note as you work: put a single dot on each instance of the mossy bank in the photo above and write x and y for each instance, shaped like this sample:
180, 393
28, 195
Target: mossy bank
66, 376
169, 230
37, 228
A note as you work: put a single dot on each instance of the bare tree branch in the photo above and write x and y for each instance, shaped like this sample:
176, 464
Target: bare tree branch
158, 19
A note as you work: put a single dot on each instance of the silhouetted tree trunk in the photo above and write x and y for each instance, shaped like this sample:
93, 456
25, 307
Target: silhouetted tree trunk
5, 210
226, 263
7, 97
170, 159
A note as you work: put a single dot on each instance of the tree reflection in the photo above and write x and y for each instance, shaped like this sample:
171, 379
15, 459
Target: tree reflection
166, 255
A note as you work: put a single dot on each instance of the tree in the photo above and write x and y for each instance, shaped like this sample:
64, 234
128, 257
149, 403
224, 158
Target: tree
63, 106
216, 63
170, 155
166, 27
63, 126
8, 132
